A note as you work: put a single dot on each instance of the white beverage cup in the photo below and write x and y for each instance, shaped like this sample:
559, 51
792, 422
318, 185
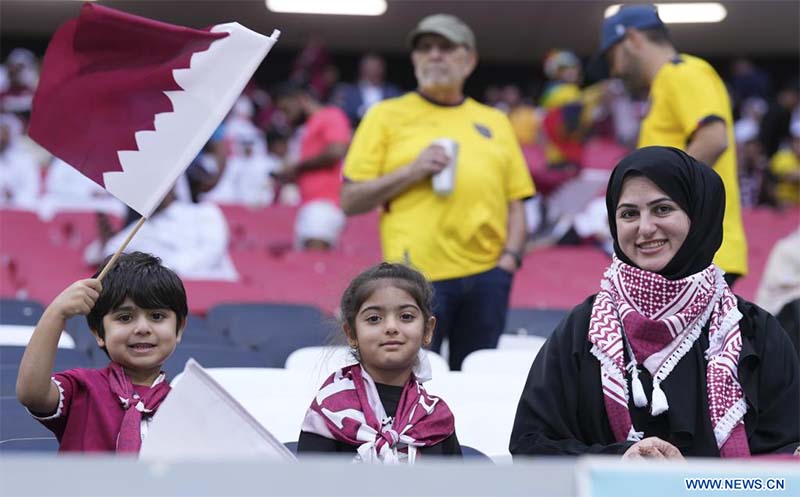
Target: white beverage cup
444, 181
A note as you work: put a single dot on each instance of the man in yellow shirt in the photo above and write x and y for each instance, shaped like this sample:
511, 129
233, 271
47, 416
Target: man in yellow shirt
468, 236
689, 109
785, 165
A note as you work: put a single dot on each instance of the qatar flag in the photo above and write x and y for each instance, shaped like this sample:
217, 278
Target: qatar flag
130, 102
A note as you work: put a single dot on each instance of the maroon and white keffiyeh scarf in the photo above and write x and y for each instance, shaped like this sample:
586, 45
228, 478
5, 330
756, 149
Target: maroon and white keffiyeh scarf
657, 321
347, 408
136, 407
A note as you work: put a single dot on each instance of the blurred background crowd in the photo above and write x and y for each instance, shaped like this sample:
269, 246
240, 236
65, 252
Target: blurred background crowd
243, 190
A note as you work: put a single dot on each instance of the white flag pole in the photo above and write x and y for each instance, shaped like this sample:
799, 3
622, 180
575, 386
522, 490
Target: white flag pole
119, 251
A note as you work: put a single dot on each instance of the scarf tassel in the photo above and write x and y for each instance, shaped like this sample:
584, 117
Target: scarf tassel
639, 398
660, 404
720, 312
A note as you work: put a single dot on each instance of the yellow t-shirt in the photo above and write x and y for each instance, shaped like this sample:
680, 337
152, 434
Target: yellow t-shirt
525, 124
559, 94
785, 162
684, 94
442, 236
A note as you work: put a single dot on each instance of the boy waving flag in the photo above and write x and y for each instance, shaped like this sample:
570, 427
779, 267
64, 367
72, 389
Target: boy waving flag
129, 101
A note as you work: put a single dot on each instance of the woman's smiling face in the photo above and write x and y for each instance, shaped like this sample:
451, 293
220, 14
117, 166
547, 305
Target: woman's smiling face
651, 227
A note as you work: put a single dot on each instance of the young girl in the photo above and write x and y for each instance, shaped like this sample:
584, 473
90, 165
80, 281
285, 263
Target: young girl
137, 317
378, 408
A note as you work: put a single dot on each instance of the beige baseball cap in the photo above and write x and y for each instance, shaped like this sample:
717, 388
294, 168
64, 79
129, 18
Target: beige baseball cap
449, 26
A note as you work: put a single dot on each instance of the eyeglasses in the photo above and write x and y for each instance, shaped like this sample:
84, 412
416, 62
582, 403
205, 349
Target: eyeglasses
444, 46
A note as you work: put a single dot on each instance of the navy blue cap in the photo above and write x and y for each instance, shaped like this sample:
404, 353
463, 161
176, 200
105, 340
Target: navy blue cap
633, 16
642, 16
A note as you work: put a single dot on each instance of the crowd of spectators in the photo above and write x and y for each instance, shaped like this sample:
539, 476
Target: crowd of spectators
253, 157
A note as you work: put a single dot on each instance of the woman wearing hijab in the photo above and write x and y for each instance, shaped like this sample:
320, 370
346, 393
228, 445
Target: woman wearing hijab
664, 361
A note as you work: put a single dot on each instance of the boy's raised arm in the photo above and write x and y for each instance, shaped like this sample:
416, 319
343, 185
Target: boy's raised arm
34, 388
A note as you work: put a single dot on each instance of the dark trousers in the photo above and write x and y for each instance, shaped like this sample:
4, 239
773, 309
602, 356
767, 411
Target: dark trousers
470, 312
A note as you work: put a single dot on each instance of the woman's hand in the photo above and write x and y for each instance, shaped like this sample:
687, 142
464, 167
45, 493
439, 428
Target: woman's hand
652, 448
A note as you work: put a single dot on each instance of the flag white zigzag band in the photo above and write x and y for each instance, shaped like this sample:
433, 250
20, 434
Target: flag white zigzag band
211, 84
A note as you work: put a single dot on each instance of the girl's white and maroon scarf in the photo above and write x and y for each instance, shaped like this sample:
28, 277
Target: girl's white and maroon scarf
347, 408
657, 321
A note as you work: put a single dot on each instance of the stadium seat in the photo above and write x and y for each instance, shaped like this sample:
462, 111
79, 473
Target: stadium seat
211, 356
10, 357
20, 335
539, 322
511, 361
8, 382
474, 454
77, 228
24, 312
22, 232
247, 226
484, 404
20, 432
219, 317
198, 332
279, 398
276, 397
603, 153
520, 342
329, 358
438, 363
273, 330
30, 444
325, 358
78, 329
361, 236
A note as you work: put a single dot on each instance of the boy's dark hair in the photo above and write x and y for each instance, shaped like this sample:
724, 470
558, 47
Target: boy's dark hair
400, 275
143, 279
658, 35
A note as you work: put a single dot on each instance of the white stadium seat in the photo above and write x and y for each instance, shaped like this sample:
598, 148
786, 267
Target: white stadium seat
325, 360
500, 361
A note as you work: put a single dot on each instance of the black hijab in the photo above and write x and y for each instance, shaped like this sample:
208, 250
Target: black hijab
695, 187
